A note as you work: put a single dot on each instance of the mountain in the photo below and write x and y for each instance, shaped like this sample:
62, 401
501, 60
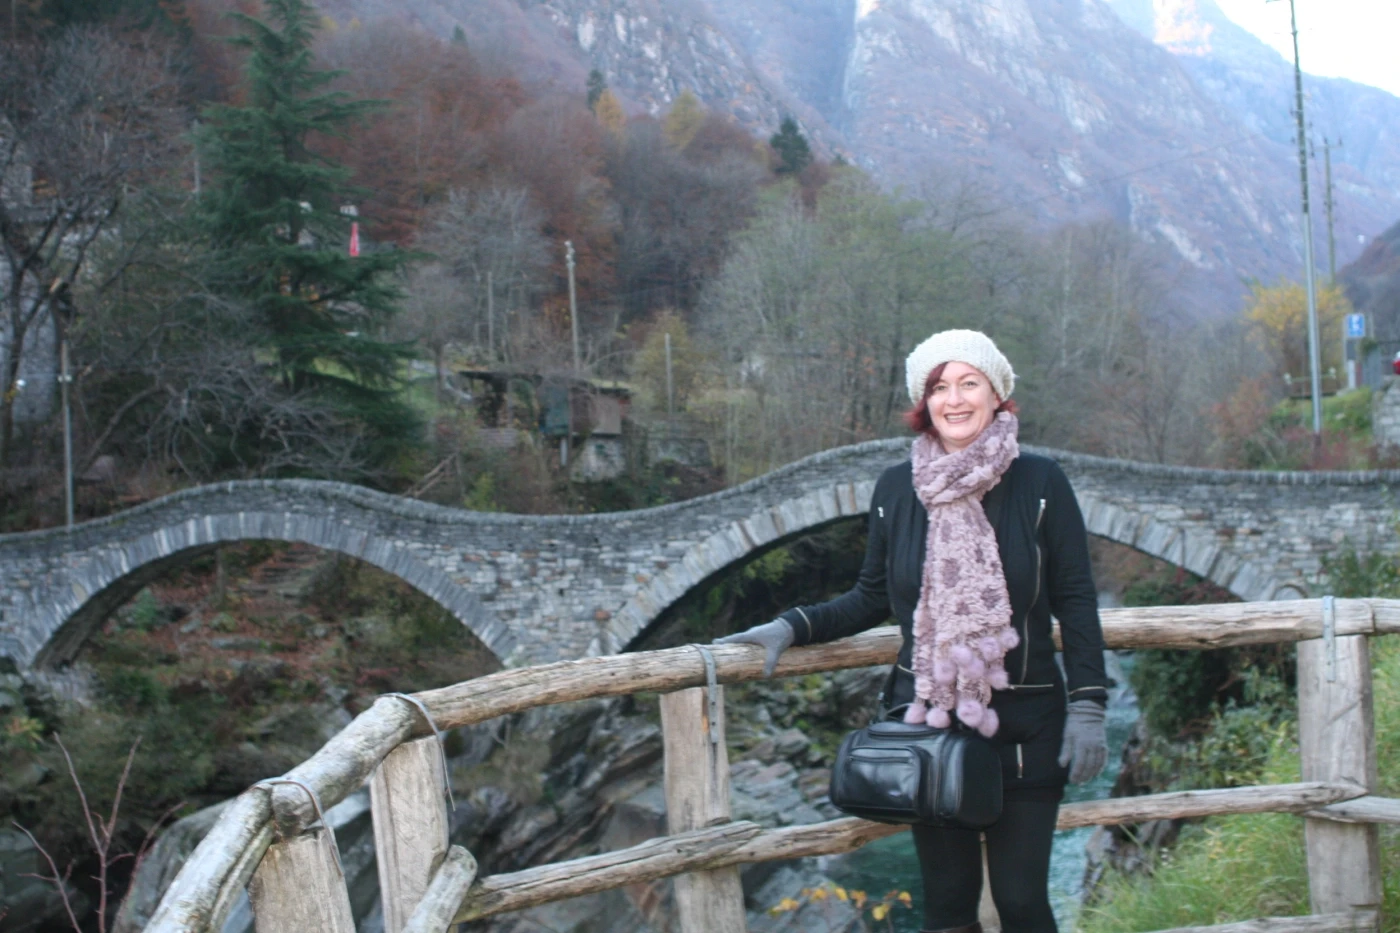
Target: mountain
1372, 283
1057, 110
1255, 84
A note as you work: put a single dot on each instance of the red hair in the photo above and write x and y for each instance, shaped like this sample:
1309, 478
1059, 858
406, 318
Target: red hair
921, 422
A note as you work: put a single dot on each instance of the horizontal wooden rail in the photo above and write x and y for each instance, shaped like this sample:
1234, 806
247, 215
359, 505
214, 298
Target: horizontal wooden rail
1368, 809
1189, 804
1222, 625
702, 849
220, 866
1360, 921
656, 858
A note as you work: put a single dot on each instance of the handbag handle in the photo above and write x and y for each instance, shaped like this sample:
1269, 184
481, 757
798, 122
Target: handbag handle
893, 710
897, 712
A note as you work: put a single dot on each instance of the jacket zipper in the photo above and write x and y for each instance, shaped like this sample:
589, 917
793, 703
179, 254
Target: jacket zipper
1020, 762
1026, 621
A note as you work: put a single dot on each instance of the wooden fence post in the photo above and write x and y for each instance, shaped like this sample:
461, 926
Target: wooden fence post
1337, 741
298, 887
411, 828
697, 796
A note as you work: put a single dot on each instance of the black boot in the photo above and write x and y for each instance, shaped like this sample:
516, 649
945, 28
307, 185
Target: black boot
970, 928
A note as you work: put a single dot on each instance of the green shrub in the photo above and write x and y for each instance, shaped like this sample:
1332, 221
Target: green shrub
1177, 690
20, 732
1369, 575
146, 612
1180, 691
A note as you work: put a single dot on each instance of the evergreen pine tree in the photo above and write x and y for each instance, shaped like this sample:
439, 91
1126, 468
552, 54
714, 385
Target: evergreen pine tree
597, 84
278, 240
459, 35
791, 146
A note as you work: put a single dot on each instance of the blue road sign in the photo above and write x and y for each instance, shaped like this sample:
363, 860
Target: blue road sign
1356, 326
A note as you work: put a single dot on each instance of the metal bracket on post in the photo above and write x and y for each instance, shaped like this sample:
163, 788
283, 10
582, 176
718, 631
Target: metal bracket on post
1329, 636
711, 694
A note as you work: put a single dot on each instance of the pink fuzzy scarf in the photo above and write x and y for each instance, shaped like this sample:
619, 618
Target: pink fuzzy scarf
962, 623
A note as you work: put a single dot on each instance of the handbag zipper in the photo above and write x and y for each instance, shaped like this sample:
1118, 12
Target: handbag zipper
1026, 621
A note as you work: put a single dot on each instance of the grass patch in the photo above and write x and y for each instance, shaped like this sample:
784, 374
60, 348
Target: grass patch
1235, 868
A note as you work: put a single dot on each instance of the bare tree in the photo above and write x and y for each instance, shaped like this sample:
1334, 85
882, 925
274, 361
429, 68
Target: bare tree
677, 210
432, 313
101, 837
816, 311
82, 118
489, 243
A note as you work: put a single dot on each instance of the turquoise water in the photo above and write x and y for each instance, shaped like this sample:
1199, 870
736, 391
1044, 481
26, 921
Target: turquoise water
890, 863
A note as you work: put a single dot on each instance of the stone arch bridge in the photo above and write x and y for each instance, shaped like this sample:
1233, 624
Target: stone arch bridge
537, 588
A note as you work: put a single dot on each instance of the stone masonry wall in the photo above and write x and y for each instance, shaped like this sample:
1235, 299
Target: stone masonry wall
1385, 412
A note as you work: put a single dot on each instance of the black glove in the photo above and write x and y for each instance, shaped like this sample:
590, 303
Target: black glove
1085, 746
775, 637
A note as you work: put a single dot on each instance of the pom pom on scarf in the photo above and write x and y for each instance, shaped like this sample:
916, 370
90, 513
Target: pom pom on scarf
971, 712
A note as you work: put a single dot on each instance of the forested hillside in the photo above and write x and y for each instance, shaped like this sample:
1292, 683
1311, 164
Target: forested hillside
259, 230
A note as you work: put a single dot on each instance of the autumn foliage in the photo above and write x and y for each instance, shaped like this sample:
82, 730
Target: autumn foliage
1279, 314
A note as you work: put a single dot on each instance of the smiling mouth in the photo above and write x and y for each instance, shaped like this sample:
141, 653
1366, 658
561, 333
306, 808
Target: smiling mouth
958, 418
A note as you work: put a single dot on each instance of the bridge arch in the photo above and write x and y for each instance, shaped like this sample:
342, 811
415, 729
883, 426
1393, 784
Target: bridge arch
1185, 548
737, 543
745, 539
115, 574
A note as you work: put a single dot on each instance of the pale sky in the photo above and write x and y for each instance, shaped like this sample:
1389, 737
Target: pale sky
1353, 39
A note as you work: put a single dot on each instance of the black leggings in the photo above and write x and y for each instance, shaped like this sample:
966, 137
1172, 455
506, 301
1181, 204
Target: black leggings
1018, 865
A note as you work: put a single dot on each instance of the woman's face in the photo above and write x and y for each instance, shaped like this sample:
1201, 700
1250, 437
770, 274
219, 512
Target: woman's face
961, 405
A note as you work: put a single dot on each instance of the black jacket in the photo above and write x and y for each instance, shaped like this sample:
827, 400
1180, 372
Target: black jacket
1045, 554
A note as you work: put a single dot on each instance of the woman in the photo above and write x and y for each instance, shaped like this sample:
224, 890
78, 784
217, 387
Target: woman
972, 547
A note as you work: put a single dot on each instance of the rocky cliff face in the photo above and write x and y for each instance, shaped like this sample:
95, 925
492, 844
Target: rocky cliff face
1064, 113
1159, 113
1255, 86
1372, 284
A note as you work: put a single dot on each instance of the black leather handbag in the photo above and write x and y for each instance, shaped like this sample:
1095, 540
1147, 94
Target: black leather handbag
893, 772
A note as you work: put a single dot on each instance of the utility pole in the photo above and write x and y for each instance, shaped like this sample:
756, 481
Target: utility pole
64, 379
573, 302
195, 134
1331, 230
1314, 338
670, 390
490, 319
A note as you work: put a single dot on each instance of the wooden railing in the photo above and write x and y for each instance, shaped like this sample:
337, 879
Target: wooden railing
271, 842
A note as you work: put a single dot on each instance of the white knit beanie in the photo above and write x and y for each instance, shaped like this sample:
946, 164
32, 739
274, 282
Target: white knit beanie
963, 346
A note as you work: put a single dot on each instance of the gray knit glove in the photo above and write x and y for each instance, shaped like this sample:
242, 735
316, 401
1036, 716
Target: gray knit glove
775, 637
1085, 747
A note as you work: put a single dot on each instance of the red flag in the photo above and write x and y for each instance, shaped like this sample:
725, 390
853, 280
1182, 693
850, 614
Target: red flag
355, 238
